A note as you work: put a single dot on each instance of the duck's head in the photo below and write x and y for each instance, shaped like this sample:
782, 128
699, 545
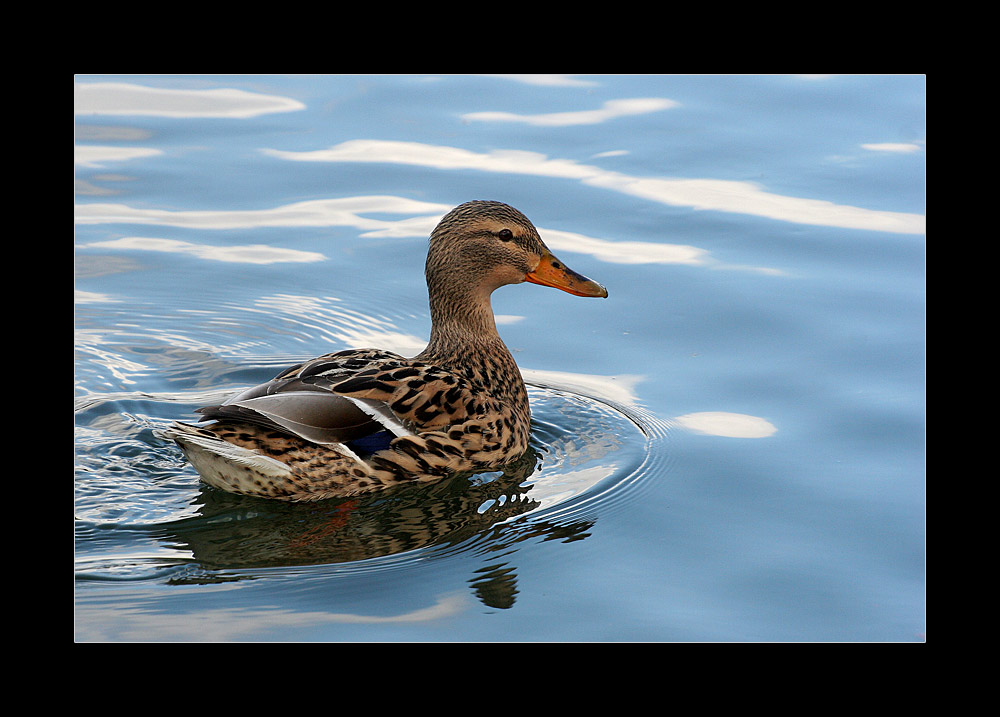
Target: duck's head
483, 245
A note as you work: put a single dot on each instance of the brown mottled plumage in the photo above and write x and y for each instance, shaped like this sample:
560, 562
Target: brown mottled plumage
358, 421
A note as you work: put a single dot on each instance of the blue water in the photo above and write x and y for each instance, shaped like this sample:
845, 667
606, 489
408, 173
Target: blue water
731, 447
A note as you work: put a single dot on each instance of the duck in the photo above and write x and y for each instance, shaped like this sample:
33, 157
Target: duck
363, 420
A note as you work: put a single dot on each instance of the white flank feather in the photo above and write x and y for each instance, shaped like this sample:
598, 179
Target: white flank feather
381, 413
235, 454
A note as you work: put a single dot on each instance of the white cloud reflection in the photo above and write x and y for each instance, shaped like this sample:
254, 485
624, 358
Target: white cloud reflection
133, 621
618, 389
731, 425
92, 155
624, 252
242, 254
707, 194
343, 211
349, 212
612, 109
893, 147
91, 297
121, 98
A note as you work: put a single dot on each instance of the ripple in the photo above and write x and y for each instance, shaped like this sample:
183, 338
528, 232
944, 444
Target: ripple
594, 449
143, 514
137, 498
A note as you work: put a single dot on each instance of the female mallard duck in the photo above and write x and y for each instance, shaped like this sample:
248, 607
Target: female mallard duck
363, 420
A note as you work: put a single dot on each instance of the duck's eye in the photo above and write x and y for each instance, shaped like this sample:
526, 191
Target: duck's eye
505, 235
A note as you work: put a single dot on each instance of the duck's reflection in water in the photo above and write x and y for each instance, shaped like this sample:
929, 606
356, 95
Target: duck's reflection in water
463, 512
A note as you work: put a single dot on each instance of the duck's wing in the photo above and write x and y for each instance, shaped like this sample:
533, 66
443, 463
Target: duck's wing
416, 393
300, 401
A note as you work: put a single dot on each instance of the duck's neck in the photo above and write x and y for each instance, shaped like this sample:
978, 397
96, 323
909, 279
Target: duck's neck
461, 321
464, 338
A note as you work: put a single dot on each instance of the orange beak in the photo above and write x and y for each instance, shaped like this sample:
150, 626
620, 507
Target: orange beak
552, 272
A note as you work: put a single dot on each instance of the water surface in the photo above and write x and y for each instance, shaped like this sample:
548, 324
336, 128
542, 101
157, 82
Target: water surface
729, 448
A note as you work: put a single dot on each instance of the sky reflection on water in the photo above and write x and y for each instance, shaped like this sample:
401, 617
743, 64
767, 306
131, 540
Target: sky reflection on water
762, 239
